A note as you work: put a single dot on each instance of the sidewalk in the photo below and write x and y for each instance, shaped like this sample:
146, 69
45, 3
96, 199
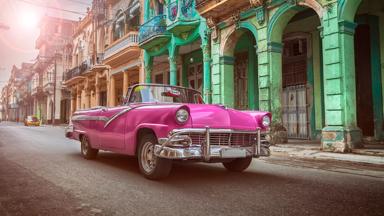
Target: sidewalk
42, 125
302, 149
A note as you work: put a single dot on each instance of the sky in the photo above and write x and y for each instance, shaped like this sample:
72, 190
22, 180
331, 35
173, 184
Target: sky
17, 44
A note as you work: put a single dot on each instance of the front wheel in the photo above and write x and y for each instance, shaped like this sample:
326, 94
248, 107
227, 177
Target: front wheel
238, 164
87, 151
152, 167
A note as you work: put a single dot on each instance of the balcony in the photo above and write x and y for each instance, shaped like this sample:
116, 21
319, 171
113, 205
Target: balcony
182, 16
48, 87
77, 71
37, 90
13, 106
119, 46
224, 8
153, 32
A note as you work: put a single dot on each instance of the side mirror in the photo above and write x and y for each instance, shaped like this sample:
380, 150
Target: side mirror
124, 100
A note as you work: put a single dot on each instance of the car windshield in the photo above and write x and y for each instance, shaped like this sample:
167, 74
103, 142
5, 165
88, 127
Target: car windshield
164, 94
32, 119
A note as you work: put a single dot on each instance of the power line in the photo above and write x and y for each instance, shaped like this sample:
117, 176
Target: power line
80, 2
53, 8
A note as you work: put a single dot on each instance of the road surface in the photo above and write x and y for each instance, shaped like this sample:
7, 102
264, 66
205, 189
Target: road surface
43, 173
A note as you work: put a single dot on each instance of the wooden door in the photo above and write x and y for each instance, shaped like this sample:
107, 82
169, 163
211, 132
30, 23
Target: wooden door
295, 102
241, 81
364, 98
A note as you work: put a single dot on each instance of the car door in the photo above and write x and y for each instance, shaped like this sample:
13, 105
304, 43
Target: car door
112, 132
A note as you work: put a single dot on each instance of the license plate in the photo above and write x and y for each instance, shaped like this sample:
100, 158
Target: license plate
233, 153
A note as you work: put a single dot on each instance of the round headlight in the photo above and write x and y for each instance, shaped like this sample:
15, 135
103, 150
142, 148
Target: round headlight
266, 121
182, 116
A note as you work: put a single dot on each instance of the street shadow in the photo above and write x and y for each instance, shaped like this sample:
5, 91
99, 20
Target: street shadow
189, 173
119, 161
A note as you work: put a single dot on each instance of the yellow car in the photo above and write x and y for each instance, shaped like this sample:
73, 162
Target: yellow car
31, 121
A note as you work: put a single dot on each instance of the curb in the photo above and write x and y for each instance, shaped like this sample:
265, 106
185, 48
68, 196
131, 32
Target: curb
317, 154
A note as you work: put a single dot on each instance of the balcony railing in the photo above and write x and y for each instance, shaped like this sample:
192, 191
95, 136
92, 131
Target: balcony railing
153, 27
131, 39
181, 9
172, 11
77, 71
36, 90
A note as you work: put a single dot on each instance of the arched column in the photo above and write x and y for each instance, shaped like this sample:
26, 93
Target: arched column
205, 36
148, 66
341, 133
271, 65
112, 89
172, 57
346, 9
125, 82
97, 89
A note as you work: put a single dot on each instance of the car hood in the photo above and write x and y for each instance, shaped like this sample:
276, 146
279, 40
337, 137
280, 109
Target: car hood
217, 116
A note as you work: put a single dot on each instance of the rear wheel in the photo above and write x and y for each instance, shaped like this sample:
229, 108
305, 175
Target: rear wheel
87, 151
238, 164
152, 167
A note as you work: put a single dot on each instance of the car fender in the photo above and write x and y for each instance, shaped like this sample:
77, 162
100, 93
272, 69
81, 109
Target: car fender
159, 130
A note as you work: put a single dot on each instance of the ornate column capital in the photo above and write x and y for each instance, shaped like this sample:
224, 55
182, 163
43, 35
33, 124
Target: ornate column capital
172, 59
206, 52
256, 3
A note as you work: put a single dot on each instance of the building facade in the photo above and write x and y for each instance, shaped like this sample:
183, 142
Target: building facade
176, 45
49, 68
122, 53
87, 76
317, 65
105, 56
15, 95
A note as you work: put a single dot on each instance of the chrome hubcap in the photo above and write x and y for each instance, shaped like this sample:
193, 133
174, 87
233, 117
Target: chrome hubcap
148, 159
84, 147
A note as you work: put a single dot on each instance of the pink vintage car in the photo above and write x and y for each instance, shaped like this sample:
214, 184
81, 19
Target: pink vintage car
160, 124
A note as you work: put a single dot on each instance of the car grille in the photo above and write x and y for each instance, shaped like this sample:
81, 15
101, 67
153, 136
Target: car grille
228, 139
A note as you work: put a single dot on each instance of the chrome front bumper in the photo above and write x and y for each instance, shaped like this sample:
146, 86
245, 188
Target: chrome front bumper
68, 131
179, 145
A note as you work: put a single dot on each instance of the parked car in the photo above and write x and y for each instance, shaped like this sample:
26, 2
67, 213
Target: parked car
31, 121
160, 124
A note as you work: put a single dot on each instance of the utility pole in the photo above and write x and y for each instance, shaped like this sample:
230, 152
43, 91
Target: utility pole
54, 91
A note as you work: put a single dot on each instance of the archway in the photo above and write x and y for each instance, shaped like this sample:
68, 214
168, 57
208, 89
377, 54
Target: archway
296, 69
368, 51
240, 72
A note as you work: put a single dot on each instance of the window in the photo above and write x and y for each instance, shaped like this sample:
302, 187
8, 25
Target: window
119, 26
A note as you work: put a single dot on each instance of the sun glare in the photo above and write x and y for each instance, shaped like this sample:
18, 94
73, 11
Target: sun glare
29, 19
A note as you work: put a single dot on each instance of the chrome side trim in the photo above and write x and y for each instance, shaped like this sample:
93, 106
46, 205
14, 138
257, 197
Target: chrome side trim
89, 118
122, 112
79, 131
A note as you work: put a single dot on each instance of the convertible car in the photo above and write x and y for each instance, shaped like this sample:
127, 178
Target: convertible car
160, 124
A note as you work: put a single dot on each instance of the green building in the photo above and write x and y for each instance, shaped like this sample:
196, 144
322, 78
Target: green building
176, 45
317, 65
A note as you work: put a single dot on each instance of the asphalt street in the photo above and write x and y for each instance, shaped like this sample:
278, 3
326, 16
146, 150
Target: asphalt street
43, 173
